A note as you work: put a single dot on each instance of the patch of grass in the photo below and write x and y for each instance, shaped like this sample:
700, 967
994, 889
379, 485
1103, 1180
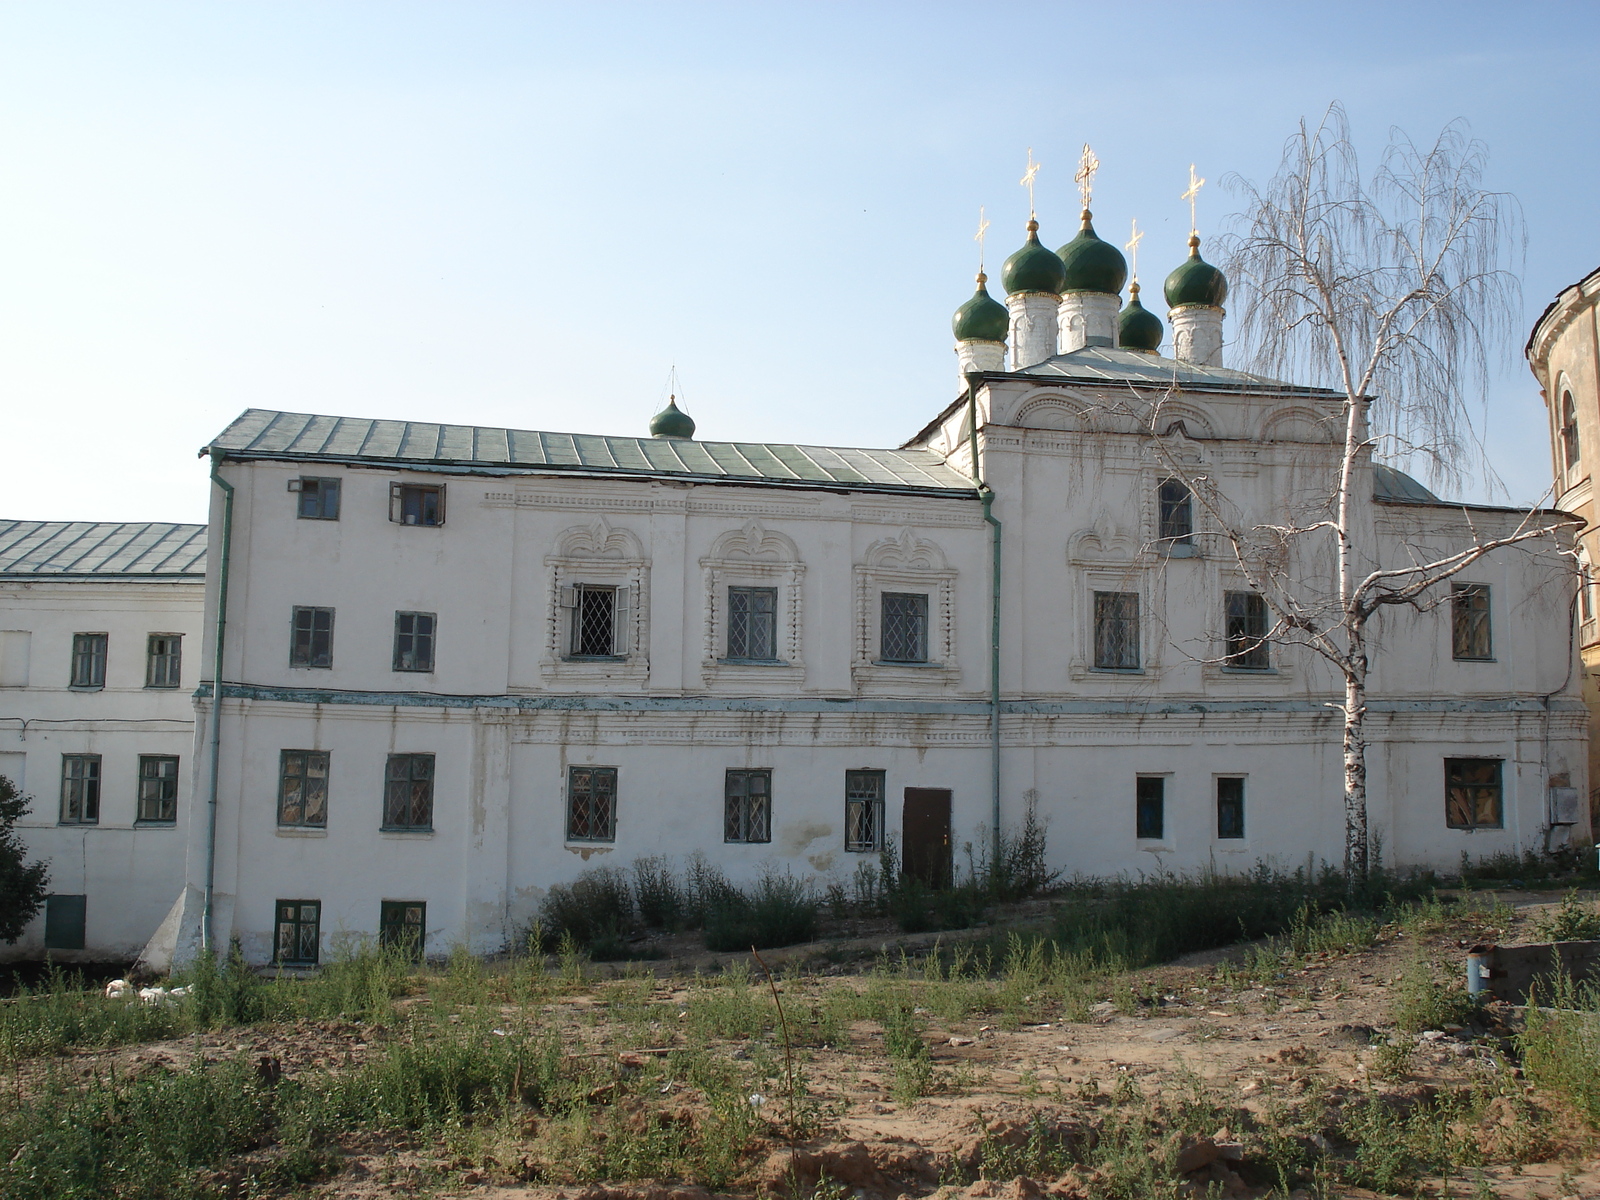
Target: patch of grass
1560, 1043
909, 1059
1423, 1002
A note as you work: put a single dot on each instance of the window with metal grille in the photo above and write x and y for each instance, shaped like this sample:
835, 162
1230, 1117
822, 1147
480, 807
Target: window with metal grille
303, 788
1175, 524
592, 804
163, 660
80, 789
599, 620
413, 641
1571, 451
1469, 621
299, 933
403, 926
311, 639
1246, 631
905, 627
1472, 793
1230, 807
408, 792
416, 504
158, 788
747, 807
752, 623
1150, 807
89, 660
863, 810
1116, 631
319, 498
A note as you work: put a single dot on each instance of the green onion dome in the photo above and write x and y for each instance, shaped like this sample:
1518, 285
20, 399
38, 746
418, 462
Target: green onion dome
1196, 281
983, 318
1138, 328
672, 422
1033, 268
1092, 265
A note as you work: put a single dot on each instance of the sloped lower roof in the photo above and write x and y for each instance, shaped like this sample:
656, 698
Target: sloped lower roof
1390, 485
102, 550
1107, 364
263, 433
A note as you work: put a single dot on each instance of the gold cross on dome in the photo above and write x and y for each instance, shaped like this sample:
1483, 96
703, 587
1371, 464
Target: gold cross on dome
1088, 164
1195, 184
983, 228
1132, 247
1028, 177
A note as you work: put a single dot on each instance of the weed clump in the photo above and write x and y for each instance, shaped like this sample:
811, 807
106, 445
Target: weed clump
779, 910
1572, 921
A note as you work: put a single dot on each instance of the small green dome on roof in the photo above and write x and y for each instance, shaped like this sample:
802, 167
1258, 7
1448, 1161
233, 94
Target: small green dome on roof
982, 318
1033, 268
1138, 328
672, 422
1196, 281
1090, 264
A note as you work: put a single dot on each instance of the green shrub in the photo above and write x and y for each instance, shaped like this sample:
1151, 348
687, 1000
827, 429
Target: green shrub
1572, 921
917, 908
595, 905
779, 910
1421, 1002
658, 894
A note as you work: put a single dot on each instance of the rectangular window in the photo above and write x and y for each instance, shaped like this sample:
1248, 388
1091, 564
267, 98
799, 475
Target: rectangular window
1116, 631
89, 660
319, 498
863, 810
80, 789
158, 788
1472, 793
747, 807
163, 660
299, 933
311, 644
303, 788
1230, 807
416, 504
1469, 621
1176, 519
413, 641
752, 623
408, 792
905, 627
592, 804
403, 926
64, 922
599, 627
1150, 807
1247, 631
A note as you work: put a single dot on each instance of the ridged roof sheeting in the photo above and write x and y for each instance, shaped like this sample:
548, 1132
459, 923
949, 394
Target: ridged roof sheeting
1105, 364
263, 433
102, 549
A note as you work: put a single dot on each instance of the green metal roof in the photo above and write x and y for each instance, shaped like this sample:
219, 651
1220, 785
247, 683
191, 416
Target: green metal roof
1107, 364
1390, 485
102, 550
266, 434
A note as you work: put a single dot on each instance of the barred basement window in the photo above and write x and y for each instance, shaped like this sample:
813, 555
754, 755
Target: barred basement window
1246, 631
89, 660
1469, 622
1175, 524
408, 793
863, 810
905, 627
303, 788
163, 660
752, 623
1230, 807
80, 789
311, 637
416, 504
1116, 631
598, 622
299, 933
158, 789
413, 641
403, 926
319, 498
747, 807
1473, 793
1150, 807
592, 804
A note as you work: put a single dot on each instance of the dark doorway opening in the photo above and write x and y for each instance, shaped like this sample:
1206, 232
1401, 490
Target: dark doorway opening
925, 832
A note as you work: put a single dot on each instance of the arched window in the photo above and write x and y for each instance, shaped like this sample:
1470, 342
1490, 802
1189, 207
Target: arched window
1585, 589
1176, 524
1570, 450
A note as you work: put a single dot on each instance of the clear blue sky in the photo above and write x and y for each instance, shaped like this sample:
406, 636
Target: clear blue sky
521, 214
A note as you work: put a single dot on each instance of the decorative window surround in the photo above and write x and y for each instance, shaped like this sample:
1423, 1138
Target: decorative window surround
604, 556
753, 556
1109, 562
904, 564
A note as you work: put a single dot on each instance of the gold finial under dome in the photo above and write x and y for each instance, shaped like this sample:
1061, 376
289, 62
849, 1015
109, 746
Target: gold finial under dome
1028, 177
1088, 164
1132, 247
1195, 184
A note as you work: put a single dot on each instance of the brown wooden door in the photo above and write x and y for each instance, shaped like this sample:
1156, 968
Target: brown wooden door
925, 831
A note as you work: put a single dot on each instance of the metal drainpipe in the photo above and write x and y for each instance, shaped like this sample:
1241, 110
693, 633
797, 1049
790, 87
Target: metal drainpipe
217, 458
986, 497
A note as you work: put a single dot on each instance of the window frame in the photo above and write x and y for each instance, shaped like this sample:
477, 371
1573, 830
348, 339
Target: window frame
574, 597
158, 795
1453, 768
415, 638
744, 822
922, 630
326, 490
1470, 621
1169, 509
163, 670
1237, 802
863, 808
1143, 804
302, 779
401, 496
402, 790
591, 773
1099, 638
310, 656
747, 593
1571, 440
88, 794
408, 943
1257, 657
91, 650
297, 921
